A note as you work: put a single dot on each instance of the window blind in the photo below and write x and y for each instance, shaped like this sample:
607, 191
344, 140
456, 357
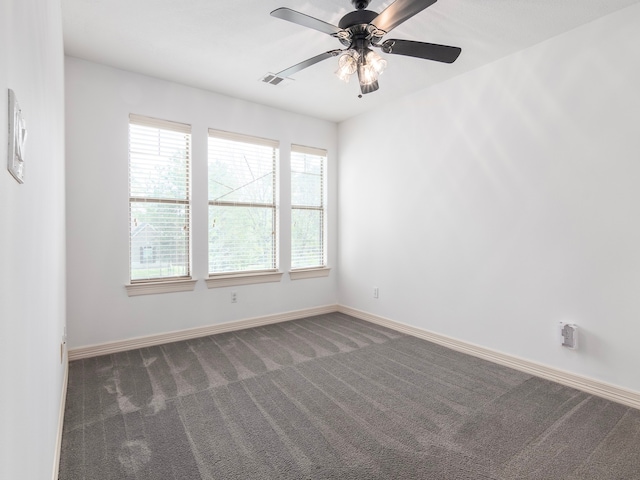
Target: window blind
242, 203
308, 216
159, 199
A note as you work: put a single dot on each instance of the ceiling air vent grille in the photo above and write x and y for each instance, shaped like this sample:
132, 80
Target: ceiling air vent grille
274, 79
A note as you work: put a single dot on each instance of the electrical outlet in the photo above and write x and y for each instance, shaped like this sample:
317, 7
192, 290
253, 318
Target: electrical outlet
376, 292
234, 297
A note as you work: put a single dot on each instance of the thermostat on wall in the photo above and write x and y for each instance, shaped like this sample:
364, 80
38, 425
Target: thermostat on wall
17, 138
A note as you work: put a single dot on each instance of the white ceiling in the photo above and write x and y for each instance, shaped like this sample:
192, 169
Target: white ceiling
227, 46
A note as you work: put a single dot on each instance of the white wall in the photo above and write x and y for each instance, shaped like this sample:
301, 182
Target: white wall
491, 207
32, 241
99, 101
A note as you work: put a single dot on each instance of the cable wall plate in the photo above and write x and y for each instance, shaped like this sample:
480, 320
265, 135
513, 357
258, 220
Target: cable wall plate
17, 139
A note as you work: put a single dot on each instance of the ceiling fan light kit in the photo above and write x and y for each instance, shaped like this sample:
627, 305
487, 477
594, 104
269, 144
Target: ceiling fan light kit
366, 62
362, 29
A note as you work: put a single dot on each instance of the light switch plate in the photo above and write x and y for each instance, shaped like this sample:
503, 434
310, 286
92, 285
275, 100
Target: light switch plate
17, 139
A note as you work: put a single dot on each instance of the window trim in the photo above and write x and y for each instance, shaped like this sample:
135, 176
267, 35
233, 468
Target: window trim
152, 122
243, 278
215, 278
160, 286
302, 273
314, 270
147, 286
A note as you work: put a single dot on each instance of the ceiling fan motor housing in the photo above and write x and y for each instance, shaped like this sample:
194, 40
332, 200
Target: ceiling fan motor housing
356, 23
357, 17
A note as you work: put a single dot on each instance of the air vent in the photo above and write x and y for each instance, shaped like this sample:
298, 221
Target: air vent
274, 79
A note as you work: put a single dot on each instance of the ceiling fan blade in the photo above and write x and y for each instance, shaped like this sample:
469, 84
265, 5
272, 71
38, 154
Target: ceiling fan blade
398, 12
307, 63
305, 20
428, 51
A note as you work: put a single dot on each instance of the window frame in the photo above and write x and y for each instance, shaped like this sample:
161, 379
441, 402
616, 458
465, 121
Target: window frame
262, 275
321, 269
162, 284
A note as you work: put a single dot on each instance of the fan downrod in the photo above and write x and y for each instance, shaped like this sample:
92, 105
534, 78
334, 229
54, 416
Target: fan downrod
360, 4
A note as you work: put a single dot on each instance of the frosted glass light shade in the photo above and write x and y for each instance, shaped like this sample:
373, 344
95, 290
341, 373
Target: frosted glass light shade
347, 65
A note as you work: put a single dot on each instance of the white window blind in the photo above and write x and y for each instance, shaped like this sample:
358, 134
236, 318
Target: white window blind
159, 199
242, 203
308, 218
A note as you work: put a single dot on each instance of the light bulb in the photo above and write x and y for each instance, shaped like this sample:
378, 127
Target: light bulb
347, 65
376, 61
343, 75
367, 74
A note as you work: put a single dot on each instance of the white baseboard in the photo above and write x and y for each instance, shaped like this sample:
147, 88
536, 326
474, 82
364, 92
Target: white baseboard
63, 402
595, 387
152, 340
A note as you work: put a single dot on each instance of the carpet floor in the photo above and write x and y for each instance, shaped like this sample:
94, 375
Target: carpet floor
332, 397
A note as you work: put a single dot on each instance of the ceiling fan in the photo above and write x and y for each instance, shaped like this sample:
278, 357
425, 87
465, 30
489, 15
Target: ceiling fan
360, 30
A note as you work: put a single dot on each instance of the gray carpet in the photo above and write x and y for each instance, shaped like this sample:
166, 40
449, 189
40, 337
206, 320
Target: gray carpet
332, 397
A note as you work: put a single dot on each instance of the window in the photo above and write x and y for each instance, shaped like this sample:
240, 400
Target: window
242, 203
159, 190
308, 217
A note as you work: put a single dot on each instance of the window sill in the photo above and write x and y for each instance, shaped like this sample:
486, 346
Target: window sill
309, 273
234, 279
152, 288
